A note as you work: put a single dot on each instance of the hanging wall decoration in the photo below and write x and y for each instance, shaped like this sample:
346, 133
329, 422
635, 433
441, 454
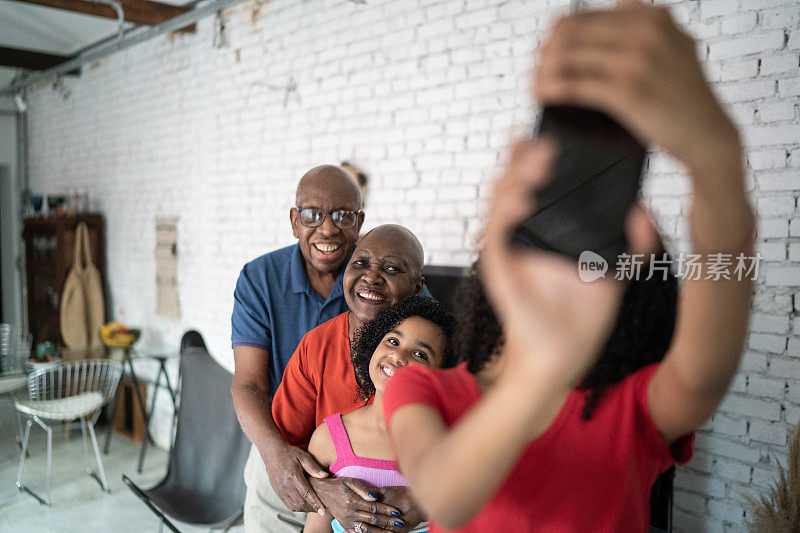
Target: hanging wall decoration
167, 304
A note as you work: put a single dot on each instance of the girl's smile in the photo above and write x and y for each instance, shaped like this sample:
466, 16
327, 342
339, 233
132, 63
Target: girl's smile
414, 340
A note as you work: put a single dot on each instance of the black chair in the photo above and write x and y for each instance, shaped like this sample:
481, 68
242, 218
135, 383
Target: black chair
204, 483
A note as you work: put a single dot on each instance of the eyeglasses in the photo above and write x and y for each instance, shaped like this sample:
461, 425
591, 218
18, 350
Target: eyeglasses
314, 217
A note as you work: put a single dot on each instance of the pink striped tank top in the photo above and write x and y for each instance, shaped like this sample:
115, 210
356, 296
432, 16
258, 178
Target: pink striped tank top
376, 472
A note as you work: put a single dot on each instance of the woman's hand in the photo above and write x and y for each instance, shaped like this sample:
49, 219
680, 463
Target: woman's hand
554, 324
351, 503
400, 497
635, 64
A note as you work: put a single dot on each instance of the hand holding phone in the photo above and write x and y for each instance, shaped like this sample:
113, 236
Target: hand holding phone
596, 179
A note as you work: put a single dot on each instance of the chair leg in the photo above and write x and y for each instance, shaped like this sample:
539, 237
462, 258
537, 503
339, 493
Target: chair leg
85, 441
24, 452
103, 482
49, 460
19, 429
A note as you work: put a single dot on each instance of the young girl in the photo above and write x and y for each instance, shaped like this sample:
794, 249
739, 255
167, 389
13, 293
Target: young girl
416, 330
562, 416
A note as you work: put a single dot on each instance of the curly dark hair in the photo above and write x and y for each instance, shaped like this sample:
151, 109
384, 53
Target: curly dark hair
368, 337
641, 336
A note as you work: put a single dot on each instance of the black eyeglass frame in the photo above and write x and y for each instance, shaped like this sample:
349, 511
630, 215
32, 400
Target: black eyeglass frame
336, 216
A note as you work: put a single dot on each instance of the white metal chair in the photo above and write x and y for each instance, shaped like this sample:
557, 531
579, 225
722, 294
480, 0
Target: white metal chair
67, 392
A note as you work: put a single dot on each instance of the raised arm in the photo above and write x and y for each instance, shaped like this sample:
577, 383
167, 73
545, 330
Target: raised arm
635, 64
549, 318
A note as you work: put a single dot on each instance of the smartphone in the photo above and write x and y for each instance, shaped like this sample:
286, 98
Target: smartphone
596, 179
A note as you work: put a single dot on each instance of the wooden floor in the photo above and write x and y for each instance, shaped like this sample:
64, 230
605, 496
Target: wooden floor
78, 503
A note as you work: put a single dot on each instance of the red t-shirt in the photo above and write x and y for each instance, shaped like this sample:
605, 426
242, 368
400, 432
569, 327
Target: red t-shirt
319, 381
578, 476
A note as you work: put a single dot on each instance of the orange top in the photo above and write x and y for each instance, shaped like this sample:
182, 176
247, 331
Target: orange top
318, 381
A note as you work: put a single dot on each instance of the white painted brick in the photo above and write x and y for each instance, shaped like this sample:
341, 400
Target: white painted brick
794, 252
793, 348
772, 251
767, 343
763, 159
739, 383
721, 446
783, 276
739, 70
754, 361
794, 227
749, 90
764, 476
778, 205
476, 19
788, 88
739, 405
779, 63
772, 228
792, 415
728, 426
783, 17
784, 368
766, 387
699, 484
769, 432
772, 135
715, 8
740, 23
769, 324
743, 114
734, 470
793, 392
704, 30
741, 46
729, 512
776, 111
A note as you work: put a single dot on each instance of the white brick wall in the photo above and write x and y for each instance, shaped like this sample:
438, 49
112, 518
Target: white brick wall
424, 95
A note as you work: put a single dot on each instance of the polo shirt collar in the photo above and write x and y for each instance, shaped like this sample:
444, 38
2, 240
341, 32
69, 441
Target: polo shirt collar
300, 281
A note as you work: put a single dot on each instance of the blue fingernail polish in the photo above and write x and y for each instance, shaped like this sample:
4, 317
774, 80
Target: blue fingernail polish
398, 523
373, 495
395, 513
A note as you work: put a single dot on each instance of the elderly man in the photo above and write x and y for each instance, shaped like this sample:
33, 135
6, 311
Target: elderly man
278, 298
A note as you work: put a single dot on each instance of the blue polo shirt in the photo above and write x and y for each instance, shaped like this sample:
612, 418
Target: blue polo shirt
274, 305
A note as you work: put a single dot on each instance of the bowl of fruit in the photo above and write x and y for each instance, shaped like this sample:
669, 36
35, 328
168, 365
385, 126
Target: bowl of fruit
116, 335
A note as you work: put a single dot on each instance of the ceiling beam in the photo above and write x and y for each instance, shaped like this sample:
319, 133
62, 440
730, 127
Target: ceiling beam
130, 38
30, 60
137, 11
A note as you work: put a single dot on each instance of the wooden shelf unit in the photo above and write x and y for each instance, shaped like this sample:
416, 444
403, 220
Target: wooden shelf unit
49, 249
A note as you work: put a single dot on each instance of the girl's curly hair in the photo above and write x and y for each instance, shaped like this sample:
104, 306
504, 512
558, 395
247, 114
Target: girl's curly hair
641, 336
368, 337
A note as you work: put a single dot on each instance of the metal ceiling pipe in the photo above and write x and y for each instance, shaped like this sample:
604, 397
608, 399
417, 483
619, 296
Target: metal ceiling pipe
130, 38
117, 7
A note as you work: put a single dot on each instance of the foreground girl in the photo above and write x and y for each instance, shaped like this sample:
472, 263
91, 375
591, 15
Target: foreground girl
568, 424
355, 445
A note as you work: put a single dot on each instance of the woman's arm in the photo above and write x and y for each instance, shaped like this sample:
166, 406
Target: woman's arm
554, 325
452, 473
639, 67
